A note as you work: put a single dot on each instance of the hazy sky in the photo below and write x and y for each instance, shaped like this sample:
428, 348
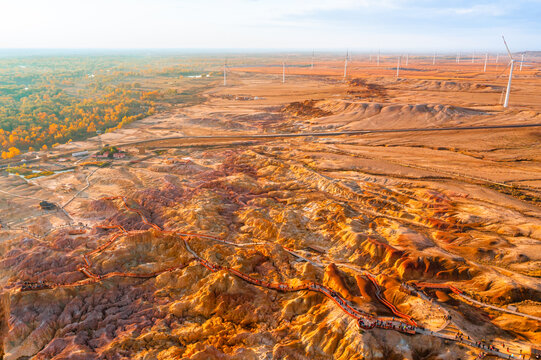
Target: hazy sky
421, 25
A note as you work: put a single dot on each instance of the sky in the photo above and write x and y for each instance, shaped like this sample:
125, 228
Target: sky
358, 25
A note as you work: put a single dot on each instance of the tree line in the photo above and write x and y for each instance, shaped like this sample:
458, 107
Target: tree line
47, 101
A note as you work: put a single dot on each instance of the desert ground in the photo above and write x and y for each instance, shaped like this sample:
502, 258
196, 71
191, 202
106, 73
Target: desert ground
385, 245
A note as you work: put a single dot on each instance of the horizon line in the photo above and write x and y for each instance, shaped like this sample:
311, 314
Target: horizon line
465, 52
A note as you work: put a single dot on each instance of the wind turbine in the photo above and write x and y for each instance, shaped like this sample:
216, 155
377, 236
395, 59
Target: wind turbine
486, 59
407, 59
346, 66
512, 64
521, 62
398, 67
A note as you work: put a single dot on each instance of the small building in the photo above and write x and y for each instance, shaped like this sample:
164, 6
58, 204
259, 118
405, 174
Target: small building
45, 205
80, 154
511, 307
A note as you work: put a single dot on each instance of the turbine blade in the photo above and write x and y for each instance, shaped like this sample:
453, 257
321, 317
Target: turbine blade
507, 47
504, 70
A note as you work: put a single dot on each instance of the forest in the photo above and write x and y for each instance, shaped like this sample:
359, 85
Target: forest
46, 101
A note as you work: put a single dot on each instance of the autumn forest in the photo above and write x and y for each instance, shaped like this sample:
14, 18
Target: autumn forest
50, 100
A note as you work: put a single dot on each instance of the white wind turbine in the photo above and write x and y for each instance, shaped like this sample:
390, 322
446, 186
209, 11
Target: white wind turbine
512, 65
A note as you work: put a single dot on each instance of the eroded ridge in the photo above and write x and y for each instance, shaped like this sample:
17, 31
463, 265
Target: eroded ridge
364, 320
194, 245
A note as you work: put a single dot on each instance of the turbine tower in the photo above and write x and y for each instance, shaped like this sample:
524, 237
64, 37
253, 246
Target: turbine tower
434, 59
407, 59
225, 72
283, 72
521, 62
379, 51
512, 65
398, 68
312, 60
486, 59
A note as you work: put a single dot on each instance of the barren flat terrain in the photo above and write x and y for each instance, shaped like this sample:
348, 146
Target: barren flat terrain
381, 245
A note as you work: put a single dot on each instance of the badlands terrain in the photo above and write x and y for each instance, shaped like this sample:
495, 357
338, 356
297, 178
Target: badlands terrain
383, 245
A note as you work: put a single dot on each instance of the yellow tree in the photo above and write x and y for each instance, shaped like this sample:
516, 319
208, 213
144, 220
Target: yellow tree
12, 152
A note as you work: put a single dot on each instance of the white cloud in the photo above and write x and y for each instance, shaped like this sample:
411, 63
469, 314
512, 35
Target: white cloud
483, 10
238, 23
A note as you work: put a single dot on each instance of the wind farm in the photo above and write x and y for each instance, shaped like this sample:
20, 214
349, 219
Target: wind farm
412, 174
323, 180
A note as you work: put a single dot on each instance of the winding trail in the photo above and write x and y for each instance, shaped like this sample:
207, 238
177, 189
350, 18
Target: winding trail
364, 320
83, 189
473, 301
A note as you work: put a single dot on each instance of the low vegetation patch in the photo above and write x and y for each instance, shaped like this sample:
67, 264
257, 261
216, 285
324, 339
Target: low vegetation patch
28, 172
95, 163
362, 89
305, 108
516, 192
